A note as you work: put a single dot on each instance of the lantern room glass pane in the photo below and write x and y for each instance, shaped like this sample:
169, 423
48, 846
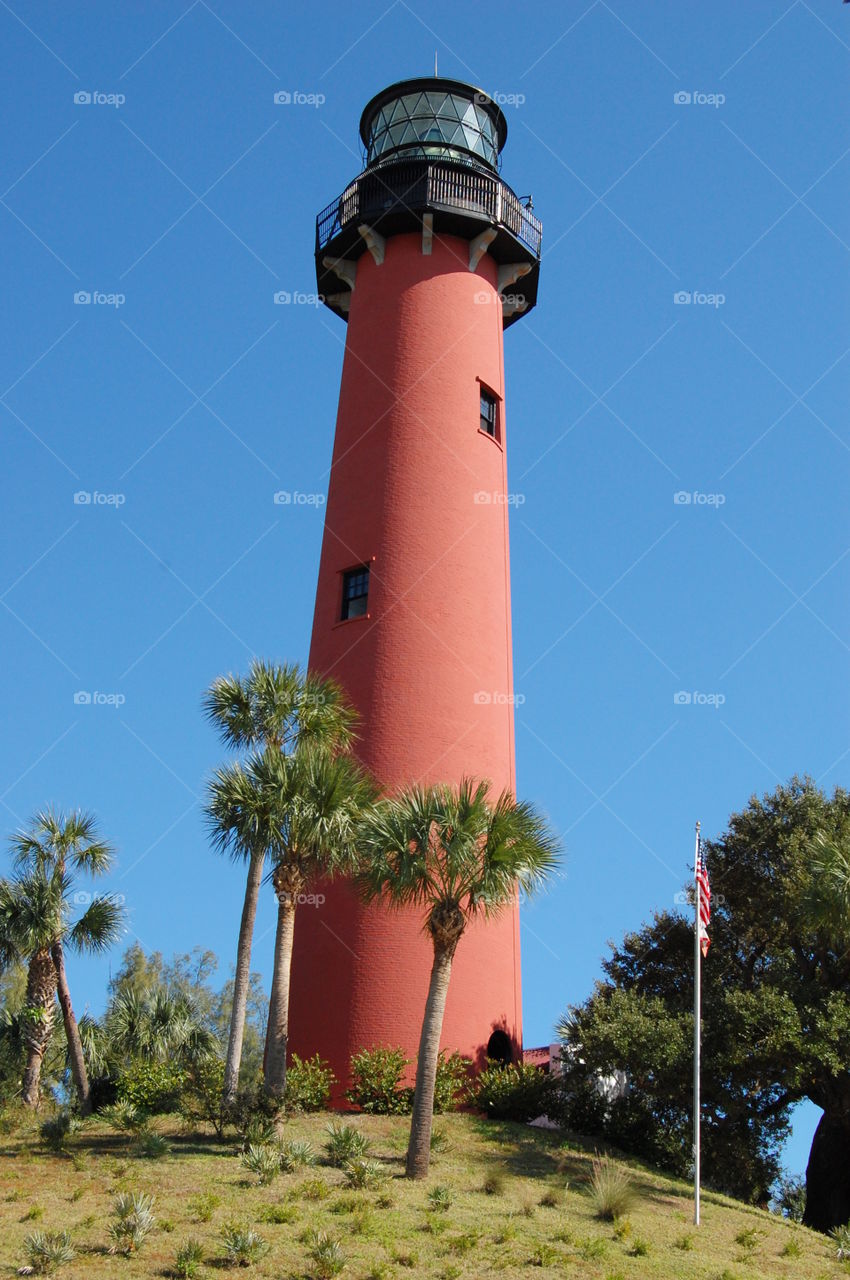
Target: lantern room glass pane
419, 123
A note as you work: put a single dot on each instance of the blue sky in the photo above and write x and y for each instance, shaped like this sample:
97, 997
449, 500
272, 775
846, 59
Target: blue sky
187, 398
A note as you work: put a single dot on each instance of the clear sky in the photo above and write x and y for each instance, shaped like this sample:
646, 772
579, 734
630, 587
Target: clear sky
185, 197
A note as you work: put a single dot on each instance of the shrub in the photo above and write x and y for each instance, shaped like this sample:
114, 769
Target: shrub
203, 1206
376, 1082
242, 1246
133, 1213
151, 1146
260, 1131
122, 1115
452, 1084
188, 1258
47, 1250
841, 1240
611, 1189
152, 1086
439, 1140
279, 1213
344, 1143
494, 1183
296, 1154
200, 1095
440, 1199
640, 1248
56, 1132
360, 1172
791, 1249
315, 1189
790, 1198
328, 1257
263, 1161
309, 1084
748, 1238
513, 1091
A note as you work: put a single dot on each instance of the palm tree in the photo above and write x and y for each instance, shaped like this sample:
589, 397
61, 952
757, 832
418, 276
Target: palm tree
302, 809
273, 707
157, 1026
35, 928
826, 900
457, 855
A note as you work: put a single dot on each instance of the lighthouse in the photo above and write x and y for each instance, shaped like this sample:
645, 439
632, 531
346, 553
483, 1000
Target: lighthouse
428, 256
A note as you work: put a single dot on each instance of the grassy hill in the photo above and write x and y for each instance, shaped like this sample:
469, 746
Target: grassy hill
518, 1205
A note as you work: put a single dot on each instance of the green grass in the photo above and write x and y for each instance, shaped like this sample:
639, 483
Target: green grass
501, 1199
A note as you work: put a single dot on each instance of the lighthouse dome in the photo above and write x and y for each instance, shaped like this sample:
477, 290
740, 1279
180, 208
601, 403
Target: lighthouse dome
436, 118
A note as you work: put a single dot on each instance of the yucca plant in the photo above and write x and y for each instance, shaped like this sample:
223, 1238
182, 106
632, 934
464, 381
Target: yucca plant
344, 1143
361, 1172
263, 1161
260, 1131
188, 1258
327, 1255
151, 1145
56, 1131
134, 1220
611, 1189
242, 1246
841, 1240
45, 1251
296, 1154
123, 1115
440, 1199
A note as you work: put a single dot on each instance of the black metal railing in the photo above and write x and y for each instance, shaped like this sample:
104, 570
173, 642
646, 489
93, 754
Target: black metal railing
417, 186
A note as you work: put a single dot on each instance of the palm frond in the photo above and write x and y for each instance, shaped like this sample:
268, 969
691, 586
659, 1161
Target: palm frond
100, 925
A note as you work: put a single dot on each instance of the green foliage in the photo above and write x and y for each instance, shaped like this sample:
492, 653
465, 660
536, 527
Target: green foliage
440, 1198
56, 1131
295, 1155
362, 1172
494, 1183
611, 1189
789, 1198
200, 1096
123, 1115
202, 1207
513, 1091
45, 1251
151, 1145
841, 1239
327, 1255
309, 1084
154, 1087
263, 1161
376, 1082
451, 1086
188, 1259
344, 1143
133, 1221
242, 1245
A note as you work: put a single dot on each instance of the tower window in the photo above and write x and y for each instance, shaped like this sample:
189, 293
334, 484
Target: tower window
355, 592
488, 413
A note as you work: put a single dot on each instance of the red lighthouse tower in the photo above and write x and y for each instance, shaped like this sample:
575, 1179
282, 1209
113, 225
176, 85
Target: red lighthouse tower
428, 255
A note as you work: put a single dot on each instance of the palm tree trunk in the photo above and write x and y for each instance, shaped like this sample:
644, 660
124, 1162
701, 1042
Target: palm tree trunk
37, 1022
278, 1031
242, 978
72, 1031
419, 1147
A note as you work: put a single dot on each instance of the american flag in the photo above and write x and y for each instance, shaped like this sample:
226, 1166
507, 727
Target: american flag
701, 876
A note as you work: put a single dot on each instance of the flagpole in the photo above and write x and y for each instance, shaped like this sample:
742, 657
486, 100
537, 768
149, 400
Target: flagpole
697, 1015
